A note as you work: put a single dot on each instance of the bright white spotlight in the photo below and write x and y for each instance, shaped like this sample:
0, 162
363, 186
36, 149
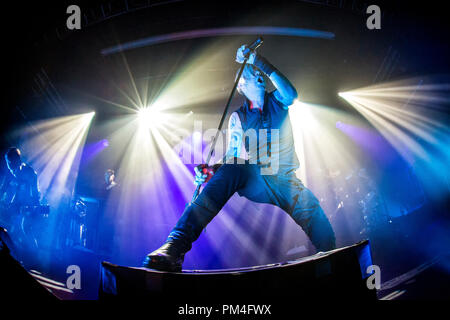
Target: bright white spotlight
302, 112
53, 147
151, 117
87, 117
411, 115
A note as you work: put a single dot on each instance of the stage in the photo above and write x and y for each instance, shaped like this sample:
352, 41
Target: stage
339, 274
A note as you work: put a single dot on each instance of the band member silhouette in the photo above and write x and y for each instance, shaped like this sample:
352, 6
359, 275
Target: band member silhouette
20, 199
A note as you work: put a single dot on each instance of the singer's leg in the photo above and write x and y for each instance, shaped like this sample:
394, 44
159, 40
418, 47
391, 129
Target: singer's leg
225, 182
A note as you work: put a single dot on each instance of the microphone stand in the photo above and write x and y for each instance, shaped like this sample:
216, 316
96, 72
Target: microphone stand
213, 145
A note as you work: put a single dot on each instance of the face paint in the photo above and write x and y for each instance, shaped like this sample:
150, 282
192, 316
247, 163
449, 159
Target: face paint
252, 82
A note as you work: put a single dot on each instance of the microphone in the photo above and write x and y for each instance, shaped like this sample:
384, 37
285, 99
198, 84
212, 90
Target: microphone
253, 46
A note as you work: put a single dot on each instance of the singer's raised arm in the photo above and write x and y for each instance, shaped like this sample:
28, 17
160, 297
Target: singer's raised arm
286, 92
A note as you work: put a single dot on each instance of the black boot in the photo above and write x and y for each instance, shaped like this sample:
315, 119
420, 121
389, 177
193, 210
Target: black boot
169, 257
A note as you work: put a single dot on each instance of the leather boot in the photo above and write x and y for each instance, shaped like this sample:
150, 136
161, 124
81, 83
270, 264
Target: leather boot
169, 257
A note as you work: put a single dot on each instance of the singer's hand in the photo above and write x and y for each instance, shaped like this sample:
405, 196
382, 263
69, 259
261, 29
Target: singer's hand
240, 55
203, 173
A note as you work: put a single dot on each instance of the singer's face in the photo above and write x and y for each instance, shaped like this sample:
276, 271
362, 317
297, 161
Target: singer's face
252, 83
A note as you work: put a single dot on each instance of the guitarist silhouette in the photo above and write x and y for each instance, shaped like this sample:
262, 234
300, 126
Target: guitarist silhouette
19, 194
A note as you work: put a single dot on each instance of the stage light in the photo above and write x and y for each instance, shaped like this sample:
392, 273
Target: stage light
154, 183
105, 143
411, 115
53, 148
92, 150
151, 117
318, 146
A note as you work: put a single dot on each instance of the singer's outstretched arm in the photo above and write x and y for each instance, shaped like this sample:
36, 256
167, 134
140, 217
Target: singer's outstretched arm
286, 92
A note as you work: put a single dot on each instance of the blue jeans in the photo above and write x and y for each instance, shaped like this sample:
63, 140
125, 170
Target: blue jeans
285, 191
